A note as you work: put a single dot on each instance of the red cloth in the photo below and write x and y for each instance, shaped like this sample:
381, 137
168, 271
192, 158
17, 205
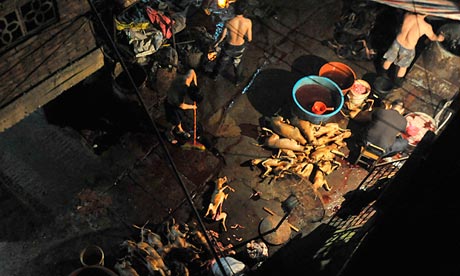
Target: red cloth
161, 20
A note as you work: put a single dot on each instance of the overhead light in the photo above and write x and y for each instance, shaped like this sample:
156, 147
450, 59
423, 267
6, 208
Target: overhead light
224, 3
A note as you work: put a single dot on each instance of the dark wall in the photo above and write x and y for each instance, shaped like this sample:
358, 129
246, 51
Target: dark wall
417, 232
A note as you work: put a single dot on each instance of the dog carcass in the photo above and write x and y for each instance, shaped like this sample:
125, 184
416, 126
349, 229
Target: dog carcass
217, 199
304, 149
124, 268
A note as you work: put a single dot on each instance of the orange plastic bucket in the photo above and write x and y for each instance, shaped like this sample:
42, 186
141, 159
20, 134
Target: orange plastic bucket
340, 73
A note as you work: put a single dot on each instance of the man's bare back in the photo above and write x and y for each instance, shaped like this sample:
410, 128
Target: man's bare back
236, 30
402, 50
414, 26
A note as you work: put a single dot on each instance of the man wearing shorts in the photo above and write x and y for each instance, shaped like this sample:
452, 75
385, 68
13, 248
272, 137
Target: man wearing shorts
402, 51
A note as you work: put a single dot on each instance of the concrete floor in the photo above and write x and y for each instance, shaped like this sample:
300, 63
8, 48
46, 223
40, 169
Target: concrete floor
62, 194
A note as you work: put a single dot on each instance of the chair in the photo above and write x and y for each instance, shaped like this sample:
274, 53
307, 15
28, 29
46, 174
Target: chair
369, 155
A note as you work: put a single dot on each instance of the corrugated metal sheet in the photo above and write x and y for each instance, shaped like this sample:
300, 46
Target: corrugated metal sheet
439, 8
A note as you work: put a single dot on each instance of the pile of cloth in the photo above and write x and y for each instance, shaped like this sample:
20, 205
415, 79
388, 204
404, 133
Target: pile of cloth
352, 32
148, 26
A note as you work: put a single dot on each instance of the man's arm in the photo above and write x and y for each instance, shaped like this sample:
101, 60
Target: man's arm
432, 36
194, 78
185, 106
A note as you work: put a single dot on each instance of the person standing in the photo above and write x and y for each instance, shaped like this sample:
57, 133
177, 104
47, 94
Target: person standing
175, 104
236, 32
402, 50
386, 127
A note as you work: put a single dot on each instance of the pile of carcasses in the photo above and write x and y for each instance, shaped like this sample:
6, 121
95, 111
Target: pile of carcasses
173, 249
303, 148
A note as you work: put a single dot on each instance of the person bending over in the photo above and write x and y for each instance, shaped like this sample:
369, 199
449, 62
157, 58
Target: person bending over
175, 104
386, 127
402, 50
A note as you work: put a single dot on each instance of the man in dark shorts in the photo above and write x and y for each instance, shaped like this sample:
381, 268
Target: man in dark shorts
402, 50
175, 105
399, 55
236, 32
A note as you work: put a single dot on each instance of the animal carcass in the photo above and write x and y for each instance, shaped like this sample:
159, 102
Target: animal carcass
217, 199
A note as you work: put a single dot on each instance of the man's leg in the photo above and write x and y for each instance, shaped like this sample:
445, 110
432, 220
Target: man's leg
221, 63
384, 69
238, 70
400, 76
401, 72
390, 56
386, 65
179, 130
406, 57
237, 55
399, 145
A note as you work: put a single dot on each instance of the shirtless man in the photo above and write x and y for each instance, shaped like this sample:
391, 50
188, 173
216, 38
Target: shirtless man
402, 51
236, 32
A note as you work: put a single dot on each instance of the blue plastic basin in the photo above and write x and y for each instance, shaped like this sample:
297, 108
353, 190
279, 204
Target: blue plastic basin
313, 88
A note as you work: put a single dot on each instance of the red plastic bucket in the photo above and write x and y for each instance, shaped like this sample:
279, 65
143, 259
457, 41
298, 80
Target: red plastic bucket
339, 73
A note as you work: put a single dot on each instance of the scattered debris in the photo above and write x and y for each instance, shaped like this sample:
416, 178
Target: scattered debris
255, 195
257, 250
236, 226
269, 211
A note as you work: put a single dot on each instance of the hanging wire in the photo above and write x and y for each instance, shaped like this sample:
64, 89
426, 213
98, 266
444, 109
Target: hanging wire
162, 142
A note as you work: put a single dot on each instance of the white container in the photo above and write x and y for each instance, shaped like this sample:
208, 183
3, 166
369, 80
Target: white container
358, 93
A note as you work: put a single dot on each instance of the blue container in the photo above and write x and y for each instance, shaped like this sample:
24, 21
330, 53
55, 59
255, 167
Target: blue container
310, 89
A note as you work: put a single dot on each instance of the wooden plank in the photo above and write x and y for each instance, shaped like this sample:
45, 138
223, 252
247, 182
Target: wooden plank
273, 213
50, 89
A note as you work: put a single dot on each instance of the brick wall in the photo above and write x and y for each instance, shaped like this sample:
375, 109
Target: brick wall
32, 61
42, 67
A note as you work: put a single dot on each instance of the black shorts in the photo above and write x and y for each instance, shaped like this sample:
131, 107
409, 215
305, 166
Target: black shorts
174, 114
